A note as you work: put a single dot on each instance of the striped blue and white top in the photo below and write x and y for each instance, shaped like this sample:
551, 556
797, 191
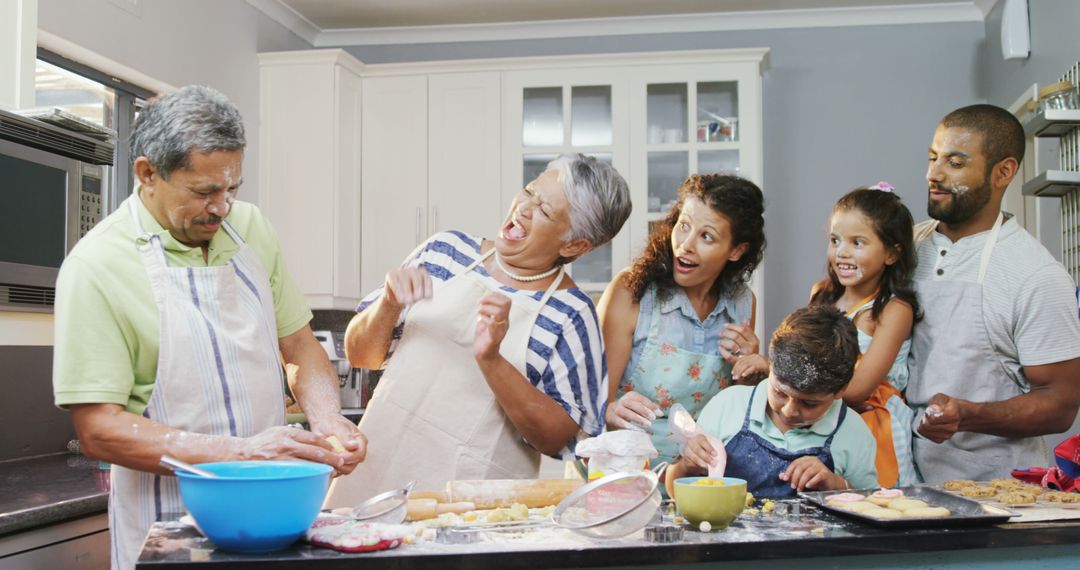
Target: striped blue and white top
565, 358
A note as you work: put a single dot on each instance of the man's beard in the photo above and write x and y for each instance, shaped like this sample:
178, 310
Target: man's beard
965, 203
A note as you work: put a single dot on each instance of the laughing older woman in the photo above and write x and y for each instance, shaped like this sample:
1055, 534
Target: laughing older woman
496, 354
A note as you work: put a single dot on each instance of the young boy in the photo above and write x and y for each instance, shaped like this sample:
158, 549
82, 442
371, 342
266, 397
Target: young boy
792, 431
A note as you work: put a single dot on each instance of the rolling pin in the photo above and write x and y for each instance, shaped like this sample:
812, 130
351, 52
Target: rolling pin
495, 493
421, 509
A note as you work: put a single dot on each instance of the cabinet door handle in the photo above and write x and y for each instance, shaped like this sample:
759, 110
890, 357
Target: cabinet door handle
419, 214
434, 219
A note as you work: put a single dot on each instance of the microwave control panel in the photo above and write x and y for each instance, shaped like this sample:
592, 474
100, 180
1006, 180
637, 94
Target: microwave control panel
90, 198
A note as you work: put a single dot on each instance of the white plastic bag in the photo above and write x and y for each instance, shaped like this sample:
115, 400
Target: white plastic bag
682, 428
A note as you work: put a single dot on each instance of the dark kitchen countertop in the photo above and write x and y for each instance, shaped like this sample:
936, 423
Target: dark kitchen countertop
766, 539
50, 489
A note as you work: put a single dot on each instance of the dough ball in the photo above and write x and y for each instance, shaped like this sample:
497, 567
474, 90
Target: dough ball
958, 484
907, 504
927, 512
979, 491
882, 513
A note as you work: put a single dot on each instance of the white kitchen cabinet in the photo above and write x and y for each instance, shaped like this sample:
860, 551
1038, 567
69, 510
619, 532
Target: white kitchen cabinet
309, 150
656, 117
430, 163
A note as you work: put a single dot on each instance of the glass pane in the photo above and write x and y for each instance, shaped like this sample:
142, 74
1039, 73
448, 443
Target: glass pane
718, 111
594, 267
542, 117
667, 113
667, 170
535, 164
714, 161
57, 87
590, 115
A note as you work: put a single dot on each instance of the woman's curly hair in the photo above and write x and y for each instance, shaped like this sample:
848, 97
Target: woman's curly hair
742, 205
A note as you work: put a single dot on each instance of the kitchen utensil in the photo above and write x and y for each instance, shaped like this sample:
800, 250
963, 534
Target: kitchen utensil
611, 506
423, 509
176, 465
495, 493
388, 507
717, 504
255, 506
663, 533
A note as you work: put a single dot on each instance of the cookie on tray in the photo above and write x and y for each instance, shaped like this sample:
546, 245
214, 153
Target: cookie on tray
1006, 483
1060, 497
1015, 497
979, 491
958, 484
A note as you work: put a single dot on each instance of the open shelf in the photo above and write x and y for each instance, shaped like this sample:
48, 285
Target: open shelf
1052, 183
1052, 123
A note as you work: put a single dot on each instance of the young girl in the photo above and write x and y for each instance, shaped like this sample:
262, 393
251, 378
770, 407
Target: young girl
871, 259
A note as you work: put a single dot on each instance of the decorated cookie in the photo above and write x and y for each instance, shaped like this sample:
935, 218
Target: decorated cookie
882, 497
958, 484
904, 504
845, 498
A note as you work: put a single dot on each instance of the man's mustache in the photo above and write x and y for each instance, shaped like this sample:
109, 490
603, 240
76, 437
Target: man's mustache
208, 220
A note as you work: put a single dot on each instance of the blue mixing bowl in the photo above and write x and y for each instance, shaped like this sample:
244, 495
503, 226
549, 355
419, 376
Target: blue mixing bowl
255, 506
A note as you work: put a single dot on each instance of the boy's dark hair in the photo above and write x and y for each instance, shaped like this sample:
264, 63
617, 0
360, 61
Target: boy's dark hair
892, 223
814, 350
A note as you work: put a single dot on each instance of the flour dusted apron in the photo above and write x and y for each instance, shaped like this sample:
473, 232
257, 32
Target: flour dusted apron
952, 354
667, 374
433, 418
218, 372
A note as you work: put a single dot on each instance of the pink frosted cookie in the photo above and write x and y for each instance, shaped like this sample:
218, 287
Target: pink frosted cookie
883, 496
844, 498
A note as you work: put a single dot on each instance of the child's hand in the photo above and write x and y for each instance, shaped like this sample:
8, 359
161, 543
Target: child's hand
750, 369
700, 451
808, 472
737, 340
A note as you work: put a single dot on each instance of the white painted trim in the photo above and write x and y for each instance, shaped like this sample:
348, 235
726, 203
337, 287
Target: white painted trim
959, 11
76, 52
292, 20
985, 6
759, 56
335, 56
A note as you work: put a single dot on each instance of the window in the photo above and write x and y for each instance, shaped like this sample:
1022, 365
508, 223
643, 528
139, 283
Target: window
96, 97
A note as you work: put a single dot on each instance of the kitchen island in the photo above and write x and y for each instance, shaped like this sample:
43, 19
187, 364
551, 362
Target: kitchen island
768, 541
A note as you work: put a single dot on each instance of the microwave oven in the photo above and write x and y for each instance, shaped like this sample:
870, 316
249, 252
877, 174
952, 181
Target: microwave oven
54, 183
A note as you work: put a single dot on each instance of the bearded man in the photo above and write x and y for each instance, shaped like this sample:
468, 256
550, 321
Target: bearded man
995, 363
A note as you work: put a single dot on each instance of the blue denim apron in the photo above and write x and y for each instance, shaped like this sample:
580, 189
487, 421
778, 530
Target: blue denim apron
752, 457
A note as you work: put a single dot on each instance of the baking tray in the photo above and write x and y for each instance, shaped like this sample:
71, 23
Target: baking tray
965, 512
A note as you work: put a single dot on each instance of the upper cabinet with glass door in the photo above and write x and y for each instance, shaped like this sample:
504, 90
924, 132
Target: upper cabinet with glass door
549, 114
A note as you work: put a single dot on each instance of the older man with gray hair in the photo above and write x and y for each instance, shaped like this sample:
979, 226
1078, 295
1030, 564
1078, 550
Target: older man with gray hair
170, 332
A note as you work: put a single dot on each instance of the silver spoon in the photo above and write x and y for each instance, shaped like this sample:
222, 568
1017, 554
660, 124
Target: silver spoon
175, 464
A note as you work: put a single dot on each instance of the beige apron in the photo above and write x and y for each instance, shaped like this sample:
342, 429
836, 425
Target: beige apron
951, 353
218, 372
433, 418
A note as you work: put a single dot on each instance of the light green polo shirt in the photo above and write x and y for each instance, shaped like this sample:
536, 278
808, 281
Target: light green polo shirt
107, 322
853, 448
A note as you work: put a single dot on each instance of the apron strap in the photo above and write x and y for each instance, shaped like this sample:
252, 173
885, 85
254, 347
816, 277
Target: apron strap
749, 406
860, 306
988, 247
554, 285
143, 238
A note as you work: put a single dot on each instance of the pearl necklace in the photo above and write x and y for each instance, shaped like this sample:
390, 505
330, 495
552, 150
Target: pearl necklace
525, 278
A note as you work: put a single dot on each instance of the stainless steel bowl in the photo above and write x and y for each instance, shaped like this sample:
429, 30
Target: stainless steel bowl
611, 506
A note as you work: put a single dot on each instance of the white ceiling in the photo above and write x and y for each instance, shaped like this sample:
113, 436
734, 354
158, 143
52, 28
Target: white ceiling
354, 22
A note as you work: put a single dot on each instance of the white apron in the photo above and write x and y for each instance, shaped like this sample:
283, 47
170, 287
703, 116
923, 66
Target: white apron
951, 353
433, 418
218, 372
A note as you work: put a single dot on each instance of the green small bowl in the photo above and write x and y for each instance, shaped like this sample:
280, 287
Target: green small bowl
717, 504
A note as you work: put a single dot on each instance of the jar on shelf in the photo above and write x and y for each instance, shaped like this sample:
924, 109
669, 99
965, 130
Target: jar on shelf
1057, 96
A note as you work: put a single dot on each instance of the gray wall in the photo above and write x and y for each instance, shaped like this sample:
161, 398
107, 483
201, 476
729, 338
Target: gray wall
843, 107
1055, 47
208, 42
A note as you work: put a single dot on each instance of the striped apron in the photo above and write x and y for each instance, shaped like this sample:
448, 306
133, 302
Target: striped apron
218, 371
